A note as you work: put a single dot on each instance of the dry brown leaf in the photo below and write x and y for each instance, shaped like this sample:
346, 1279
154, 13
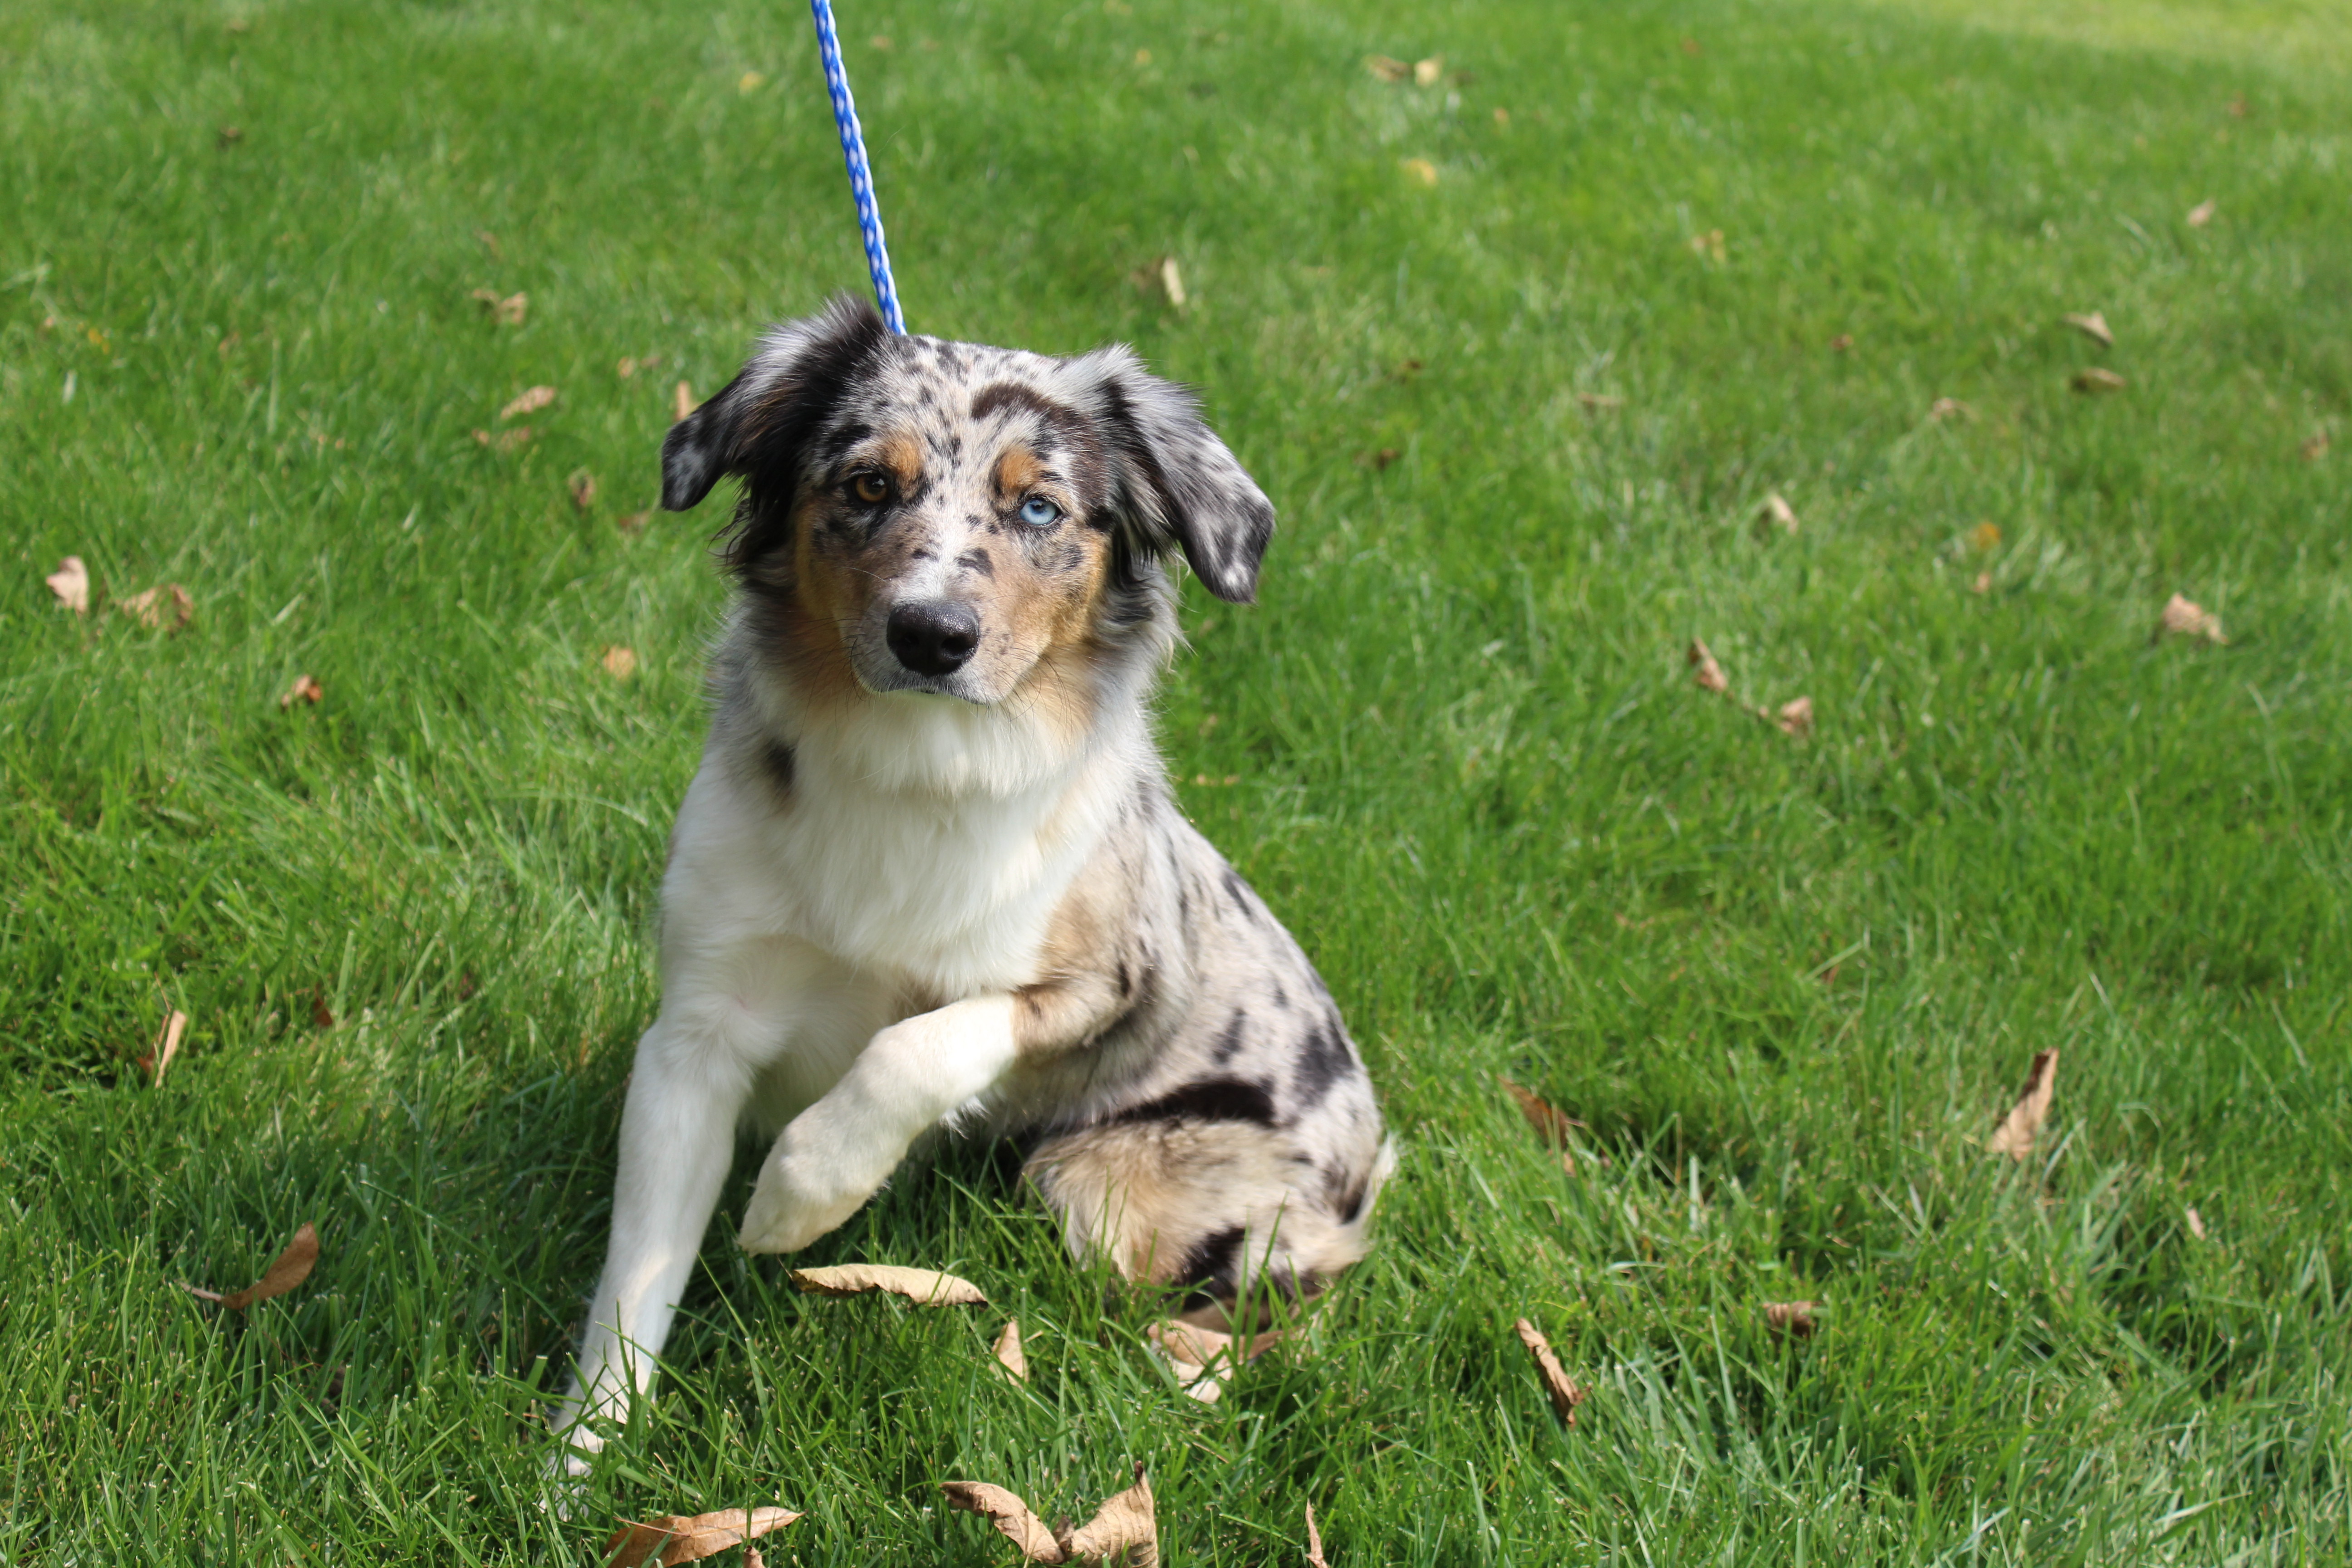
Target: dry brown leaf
1429, 72
1123, 1533
70, 583
1171, 281
922, 1286
167, 1045
1983, 584
1776, 513
2097, 380
1203, 1359
490, 243
1010, 1516
1552, 1124
509, 311
1565, 1394
1841, 342
1709, 244
583, 487
1710, 676
682, 400
2313, 450
165, 606
2093, 326
1420, 169
1795, 717
750, 82
2017, 1133
751, 1557
1794, 1318
1984, 536
1945, 408
1600, 402
691, 1537
306, 688
2196, 1223
531, 400
289, 1268
2185, 617
2201, 214
1386, 68
631, 524
620, 662
1690, 46
1008, 1351
1314, 1542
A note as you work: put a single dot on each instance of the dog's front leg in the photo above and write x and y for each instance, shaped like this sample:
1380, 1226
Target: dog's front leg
677, 1141
833, 1155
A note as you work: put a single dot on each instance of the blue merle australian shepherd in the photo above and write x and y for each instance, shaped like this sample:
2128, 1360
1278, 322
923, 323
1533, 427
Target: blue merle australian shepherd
930, 873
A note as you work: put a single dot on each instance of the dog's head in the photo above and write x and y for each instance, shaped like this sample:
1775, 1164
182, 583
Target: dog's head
936, 517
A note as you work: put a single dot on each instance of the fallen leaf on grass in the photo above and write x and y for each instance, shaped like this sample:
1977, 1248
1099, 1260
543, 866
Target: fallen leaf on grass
1314, 1558
620, 662
1420, 170
1795, 717
1171, 281
1203, 1359
1379, 459
922, 1286
1008, 1351
1794, 1318
290, 1268
1983, 584
509, 311
2313, 450
1709, 245
691, 1537
2017, 1133
490, 243
583, 487
1776, 513
1841, 342
2201, 214
2093, 326
166, 601
1565, 1394
1387, 69
633, 525
2097, 380
1710, 676
1690, 46
167, 1045
1945, 408
682, 400
505, 440
2185, 617
1552, 1124
531, 400
229, 135
1600, 402
1428, 72
2196, 1221
1123, 1533
320, 1014
70, 583
306, 688
1984, 536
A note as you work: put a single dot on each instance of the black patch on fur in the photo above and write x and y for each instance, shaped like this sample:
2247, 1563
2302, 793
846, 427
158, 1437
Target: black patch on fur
977, 561
779, 762
1208, 1099
1229, 1044
1344, 1192
1324, 1059
1210, 1262
1239, 891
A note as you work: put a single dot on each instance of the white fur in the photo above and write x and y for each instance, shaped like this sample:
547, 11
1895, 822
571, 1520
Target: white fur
926, 845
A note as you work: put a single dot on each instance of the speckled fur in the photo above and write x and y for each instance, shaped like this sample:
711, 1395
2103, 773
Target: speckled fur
899, 903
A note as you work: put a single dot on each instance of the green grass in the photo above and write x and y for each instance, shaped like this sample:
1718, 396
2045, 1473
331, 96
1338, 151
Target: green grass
1790, 984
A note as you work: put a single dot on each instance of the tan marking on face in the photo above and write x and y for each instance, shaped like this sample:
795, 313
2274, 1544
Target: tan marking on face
902, 455
1018, 472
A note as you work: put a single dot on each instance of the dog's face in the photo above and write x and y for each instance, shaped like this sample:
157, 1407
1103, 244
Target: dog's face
921, 516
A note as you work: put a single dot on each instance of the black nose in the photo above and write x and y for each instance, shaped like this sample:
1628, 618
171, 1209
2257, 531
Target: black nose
934, 637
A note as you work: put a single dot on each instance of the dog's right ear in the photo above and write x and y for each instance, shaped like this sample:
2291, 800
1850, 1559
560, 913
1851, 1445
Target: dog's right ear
767, 411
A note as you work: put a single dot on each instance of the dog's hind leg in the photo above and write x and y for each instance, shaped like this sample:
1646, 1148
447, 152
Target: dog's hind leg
1224, 1216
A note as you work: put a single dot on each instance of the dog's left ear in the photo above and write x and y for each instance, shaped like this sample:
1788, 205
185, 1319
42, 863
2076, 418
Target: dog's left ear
1176, 483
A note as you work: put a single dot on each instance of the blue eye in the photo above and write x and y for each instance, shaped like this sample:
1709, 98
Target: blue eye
1039, 512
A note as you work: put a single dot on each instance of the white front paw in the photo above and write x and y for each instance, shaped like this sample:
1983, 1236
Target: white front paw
802, 1197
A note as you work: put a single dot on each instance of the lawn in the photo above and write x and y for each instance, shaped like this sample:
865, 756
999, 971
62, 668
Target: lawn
1520, 352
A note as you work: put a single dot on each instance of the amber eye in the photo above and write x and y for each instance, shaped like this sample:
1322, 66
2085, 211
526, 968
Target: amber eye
870, 488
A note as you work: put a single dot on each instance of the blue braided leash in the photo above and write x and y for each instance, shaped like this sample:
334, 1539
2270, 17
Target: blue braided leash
853, 153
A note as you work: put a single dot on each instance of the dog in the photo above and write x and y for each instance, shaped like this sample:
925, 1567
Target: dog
930, 873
